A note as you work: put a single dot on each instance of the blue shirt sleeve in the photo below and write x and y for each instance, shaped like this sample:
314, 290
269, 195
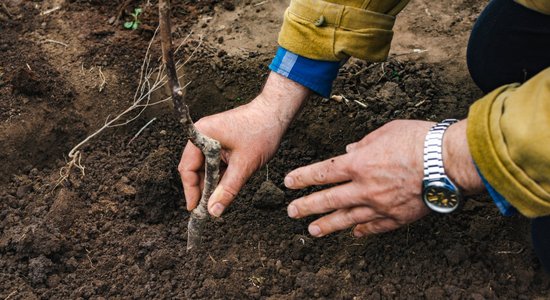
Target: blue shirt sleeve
505, 208
317, 75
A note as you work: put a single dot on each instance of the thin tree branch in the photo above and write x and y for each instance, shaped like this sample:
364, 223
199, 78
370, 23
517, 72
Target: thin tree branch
209, 147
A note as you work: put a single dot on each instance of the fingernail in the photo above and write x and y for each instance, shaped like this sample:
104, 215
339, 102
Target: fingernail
357, 234
292, 211
217, 209
289, 181
314, 230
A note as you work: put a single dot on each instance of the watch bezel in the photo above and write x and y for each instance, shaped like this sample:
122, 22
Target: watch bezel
441, 183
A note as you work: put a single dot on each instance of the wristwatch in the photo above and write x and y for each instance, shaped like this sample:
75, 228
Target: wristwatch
439, 193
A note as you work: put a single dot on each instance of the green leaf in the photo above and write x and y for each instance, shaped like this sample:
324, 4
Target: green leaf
138, 11
135, 26
129, 25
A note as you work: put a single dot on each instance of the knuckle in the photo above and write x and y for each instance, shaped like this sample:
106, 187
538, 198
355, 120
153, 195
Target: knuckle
319, 175
187, 178
353, 170
298, 178
330, 199
229, 192
376, 228
351, 217
204, 124
383, 206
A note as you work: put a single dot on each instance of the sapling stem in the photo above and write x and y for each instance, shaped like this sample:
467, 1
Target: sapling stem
209, 147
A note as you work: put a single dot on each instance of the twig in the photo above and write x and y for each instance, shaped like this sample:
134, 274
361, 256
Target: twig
56, 42
11, 294
183, 42
260, 3
7, 11
49, 11
383, 67
413, 51
209, 147
360, 103
212, 258
141, 130
103, 80
89, 259
511, 252
260, 254
420, 103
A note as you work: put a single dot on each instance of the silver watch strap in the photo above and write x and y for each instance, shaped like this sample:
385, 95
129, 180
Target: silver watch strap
433, 153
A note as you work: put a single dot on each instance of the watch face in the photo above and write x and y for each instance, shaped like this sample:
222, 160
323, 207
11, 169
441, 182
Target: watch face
441, 198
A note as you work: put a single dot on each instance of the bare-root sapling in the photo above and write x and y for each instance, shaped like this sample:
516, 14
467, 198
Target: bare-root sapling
209, 147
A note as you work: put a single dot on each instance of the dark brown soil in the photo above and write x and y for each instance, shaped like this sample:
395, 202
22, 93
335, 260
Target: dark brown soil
120, 231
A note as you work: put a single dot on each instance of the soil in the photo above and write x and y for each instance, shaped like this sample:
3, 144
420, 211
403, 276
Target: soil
119, 231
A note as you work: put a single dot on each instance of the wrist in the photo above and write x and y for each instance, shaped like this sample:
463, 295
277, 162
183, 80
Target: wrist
282, 98
458, 161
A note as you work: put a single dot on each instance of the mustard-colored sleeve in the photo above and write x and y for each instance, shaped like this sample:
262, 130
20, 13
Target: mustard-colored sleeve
509, 137
332, 30
542, 6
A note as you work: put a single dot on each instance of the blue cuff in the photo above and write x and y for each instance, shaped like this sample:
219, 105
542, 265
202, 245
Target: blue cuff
317, 75
506, 209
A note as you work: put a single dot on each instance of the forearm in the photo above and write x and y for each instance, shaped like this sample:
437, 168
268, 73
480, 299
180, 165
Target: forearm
282, 97
458, 161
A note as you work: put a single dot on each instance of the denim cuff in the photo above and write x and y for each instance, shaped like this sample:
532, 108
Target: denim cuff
317, 75
505, 208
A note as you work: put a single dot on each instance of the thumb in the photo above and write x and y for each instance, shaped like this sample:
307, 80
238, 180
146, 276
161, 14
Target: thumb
233, 179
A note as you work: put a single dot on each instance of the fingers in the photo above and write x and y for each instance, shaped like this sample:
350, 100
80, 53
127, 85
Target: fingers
342, 196
332, 170
233, 179
342, 219
190, 167
375, 227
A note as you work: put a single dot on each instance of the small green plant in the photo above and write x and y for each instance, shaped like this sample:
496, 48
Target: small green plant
134, 24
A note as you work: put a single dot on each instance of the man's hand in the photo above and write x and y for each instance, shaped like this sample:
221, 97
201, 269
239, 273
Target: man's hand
249, 135
380, 180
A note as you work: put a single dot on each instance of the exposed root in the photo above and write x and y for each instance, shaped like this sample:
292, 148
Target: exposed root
150, 80
141, 130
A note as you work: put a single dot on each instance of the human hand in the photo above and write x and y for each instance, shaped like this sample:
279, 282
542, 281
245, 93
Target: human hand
380, 180
249, 135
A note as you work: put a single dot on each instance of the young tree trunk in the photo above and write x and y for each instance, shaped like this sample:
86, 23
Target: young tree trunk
209, 147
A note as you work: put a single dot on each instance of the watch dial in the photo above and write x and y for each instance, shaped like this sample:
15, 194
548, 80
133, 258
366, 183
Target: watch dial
441, 197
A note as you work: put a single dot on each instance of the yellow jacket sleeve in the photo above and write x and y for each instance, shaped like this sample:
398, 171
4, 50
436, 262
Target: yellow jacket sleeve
332, 30
509, 137
542, 6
